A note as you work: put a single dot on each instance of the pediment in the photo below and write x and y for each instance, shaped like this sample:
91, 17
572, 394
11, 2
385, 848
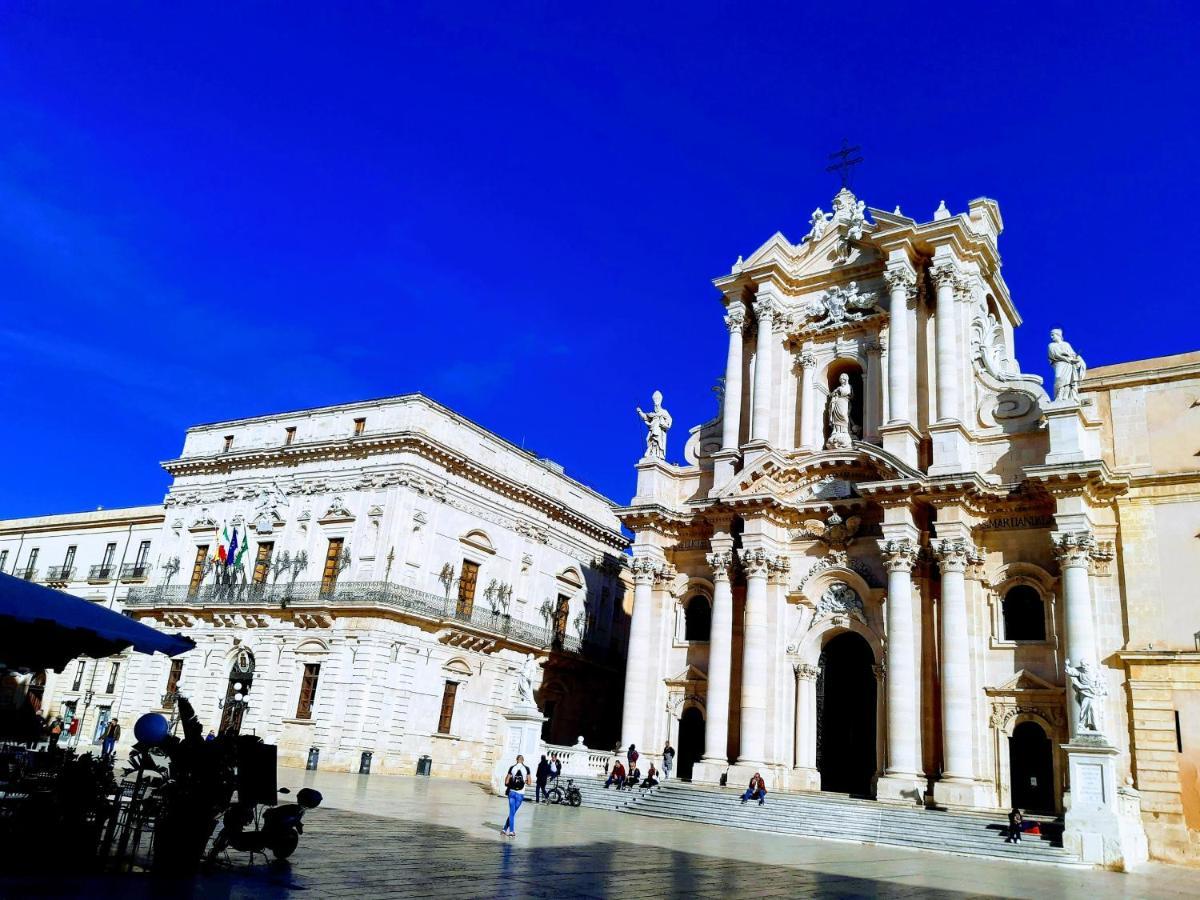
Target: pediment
817, 477
777, 249
1024, 680
690, 675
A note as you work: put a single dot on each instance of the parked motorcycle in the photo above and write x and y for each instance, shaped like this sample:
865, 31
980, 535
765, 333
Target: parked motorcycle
277, 828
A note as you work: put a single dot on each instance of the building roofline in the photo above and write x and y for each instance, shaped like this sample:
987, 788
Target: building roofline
94, 517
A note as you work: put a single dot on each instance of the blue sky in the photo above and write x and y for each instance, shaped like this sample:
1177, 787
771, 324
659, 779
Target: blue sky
218, 211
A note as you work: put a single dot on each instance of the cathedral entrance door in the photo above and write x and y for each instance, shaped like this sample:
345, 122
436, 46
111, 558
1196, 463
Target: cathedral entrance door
691, 741
846, 690
1031, 768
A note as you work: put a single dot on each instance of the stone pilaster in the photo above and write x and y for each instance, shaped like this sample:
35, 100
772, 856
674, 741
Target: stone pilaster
808, 403
758, 564
720, 668
903, 779
639, 674
731, 408
760, 426
805, 775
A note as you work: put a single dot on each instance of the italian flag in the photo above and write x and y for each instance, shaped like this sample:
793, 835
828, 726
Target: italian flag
222, 541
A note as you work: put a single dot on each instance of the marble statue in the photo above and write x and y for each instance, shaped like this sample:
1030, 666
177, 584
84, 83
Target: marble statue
1089, 687
839, 415
658, 421
819, 222
1069, 367
525, 682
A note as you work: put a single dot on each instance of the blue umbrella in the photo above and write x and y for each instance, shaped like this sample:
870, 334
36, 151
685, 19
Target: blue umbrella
41, 628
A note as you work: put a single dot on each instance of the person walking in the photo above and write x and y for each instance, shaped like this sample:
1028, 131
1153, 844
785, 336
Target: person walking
668, 756
56, 730
112, 734
73, 733
514, 787
543, 775
1015, 821
757, 790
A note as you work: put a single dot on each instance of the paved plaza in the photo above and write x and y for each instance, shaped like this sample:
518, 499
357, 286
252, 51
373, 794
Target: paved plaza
379, 836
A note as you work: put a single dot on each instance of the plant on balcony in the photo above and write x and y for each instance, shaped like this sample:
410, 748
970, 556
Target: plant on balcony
447, 578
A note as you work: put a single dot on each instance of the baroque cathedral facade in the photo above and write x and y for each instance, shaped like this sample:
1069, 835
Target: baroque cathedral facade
897, 566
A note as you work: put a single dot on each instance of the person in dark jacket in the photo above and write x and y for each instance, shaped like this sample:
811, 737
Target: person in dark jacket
542, 775
756, 791
1015, 821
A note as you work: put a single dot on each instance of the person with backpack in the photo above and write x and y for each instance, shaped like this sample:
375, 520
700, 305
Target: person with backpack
514, 787
633, 756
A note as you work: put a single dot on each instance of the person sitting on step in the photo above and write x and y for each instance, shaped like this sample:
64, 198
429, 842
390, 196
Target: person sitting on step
757, 790
635, 777
617, 775
1015, 821
651, 779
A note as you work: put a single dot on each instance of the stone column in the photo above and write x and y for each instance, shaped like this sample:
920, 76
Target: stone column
958, 770
945, 276
764, 312
808, 402
638, 672
873, 412
720, 667
755, 647
1074, 550
903, 778
902, 284
806, 727
731, 418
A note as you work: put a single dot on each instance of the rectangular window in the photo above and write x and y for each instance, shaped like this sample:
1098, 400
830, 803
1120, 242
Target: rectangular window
308, 690
112, 678
174, 675
360, 425
78, 676
109, 552
289, 434
3, 559
1178, 733
142, 555
228, 443
333, 560
467, 580
562, 610
30, 569
262, 561
447, 714
69, 560
198, 568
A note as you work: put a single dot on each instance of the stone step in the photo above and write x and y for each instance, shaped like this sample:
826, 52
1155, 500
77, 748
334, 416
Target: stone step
831, 817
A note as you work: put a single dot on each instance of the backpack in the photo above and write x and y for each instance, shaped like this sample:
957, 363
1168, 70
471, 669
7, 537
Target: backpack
633, 758
516, 781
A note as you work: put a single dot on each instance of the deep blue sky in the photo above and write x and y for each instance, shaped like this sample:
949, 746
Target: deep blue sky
518, 209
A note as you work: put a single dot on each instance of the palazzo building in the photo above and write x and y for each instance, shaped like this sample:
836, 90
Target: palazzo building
898, 566
399, 568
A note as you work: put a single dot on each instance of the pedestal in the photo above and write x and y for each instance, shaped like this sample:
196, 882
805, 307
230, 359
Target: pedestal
901, 790
1101, 826
951, 448
709, 771
724, 462
522, 735
901, 440
656, 482
1073, 438
963, 793
805, 778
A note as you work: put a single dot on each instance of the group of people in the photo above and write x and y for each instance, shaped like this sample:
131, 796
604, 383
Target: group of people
547, 770
56, 732
631, 776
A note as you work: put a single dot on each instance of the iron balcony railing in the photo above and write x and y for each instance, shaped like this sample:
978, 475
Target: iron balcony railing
60, 573
134, 571
29, 573
102, 572
307, 594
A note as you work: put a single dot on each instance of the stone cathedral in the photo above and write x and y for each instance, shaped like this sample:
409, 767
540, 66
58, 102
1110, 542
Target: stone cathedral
896, 565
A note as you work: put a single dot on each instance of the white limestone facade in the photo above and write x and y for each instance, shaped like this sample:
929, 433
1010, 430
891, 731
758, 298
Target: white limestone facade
401, 565
871, 569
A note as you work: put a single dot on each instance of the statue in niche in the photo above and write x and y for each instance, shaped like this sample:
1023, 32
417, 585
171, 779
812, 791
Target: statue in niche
658, 421
839, 415
1089, 688
1069, 367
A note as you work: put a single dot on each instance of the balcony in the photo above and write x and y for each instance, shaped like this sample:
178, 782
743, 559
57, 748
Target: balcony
60, 573
102, 573
359, 594
29, 573
135, 571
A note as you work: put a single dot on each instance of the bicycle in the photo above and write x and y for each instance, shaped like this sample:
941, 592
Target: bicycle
569, 795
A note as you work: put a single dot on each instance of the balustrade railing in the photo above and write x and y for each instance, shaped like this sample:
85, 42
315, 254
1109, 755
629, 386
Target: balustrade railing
134, 571
310, 594
102, 572
60, 573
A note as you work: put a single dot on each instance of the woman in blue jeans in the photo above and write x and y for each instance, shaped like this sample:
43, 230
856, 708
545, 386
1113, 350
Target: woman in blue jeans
514, 787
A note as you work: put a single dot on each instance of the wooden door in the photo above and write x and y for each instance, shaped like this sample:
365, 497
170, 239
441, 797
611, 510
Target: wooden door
198, 568
333, 558
466, 588
262, 561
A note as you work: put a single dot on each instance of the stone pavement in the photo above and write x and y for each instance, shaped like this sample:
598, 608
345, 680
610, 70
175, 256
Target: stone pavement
380, 836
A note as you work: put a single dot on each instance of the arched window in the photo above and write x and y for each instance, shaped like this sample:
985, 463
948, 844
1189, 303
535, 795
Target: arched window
698, 617
1024, 614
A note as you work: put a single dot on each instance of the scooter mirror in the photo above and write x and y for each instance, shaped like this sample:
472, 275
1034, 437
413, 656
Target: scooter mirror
284, 791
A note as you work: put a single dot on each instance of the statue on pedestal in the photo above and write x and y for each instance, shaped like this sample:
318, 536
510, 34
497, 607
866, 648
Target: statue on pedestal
839, 415
658, 421
1089, 688
525, 682
1069, 367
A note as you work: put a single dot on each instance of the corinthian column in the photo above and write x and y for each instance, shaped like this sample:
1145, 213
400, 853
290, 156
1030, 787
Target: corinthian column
903, 778
755, 649
638, 674
1075, 550
806, 718
945, 276
764, 312
808, 402
720, 662
902, 283
731, 416
953, 558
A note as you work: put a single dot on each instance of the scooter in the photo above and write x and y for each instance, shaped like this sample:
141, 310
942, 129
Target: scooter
279, 832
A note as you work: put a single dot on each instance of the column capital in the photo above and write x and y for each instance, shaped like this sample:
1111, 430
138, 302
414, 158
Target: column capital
805, 672
757, 562
647, 570
1079, 549
955, 555
779, 567
721, 562
944, 273
807, 360
880, 670
900, 277
899, 556
735, 318
765, 309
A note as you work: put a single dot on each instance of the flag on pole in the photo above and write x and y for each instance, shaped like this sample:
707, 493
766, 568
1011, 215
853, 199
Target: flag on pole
234, 558
241, 550
222, 541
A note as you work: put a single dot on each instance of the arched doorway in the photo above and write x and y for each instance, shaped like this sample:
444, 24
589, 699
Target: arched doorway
846, 715
241, 678
691, 741
1031, 768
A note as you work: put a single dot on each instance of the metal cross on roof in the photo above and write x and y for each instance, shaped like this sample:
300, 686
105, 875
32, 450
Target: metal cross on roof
845, 163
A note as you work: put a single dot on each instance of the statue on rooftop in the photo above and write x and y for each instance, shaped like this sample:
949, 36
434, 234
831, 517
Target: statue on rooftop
658, 423
1069, 367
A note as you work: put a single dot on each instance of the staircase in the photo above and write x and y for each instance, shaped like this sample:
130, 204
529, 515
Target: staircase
834, 816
